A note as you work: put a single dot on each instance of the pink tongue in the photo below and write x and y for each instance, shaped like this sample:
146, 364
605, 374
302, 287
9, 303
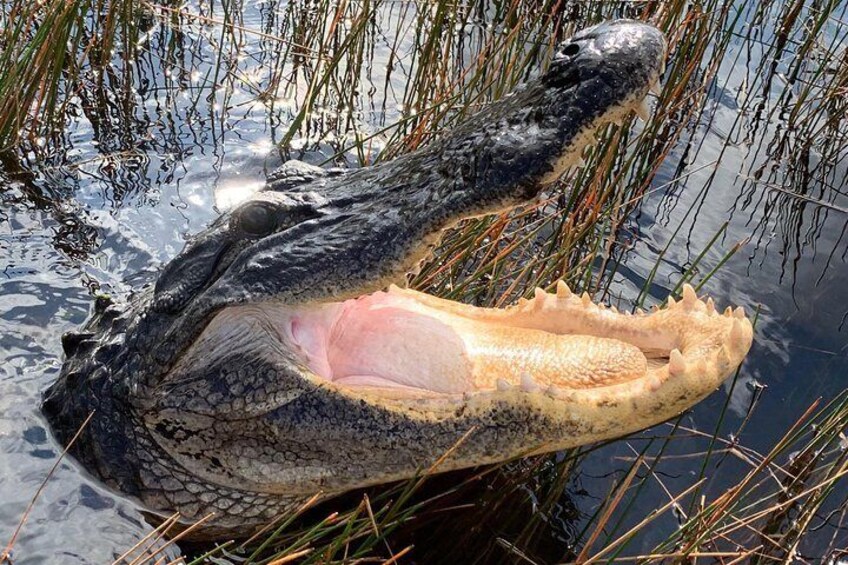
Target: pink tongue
378, 344
393, 341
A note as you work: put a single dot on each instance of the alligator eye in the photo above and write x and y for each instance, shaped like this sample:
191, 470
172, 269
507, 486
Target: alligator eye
257, 220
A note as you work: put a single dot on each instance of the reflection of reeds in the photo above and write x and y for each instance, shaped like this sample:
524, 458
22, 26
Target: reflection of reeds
354, 82
45, 45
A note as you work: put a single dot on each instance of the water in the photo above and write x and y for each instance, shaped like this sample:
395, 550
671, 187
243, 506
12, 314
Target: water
103, 209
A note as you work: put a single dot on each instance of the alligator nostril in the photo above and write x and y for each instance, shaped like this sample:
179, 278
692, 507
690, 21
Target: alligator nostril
571, 50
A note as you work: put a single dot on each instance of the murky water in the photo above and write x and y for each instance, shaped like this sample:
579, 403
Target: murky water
113, 202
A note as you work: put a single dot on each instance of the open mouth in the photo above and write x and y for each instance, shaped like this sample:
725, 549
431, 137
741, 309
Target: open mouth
403, 343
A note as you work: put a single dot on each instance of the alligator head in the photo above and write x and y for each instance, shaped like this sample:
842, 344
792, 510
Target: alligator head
274, 358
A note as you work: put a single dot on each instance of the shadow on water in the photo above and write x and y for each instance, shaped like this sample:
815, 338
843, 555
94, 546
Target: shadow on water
743, 168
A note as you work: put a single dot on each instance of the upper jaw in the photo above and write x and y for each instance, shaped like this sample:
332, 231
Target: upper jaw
370, 228
499, 159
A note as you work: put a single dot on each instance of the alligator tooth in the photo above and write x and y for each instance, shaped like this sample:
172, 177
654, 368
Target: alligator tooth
528, 384
580, 162
656, 88
655, 382
503, 385
676, 362
602, 306
586, 299
728, 312
689, 295
562, 290
737, 332
539, 298
613, 309
522, 303
711, 309
671, 302
628, 313
643, 110
739, 312
656, 307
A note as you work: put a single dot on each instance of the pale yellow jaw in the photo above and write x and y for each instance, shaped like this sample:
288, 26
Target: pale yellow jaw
404, 343
556, 371
561, 342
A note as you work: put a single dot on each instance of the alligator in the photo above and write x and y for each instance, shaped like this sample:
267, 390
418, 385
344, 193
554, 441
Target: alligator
280, 354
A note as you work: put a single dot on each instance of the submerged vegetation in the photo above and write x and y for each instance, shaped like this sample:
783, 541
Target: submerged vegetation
350, 83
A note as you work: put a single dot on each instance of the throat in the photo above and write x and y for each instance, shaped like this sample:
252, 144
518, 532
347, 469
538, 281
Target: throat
382, 340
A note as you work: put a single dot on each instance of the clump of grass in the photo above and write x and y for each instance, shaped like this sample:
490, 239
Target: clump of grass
45, 47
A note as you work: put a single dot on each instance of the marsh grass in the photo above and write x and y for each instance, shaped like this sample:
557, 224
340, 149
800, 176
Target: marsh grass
354, 82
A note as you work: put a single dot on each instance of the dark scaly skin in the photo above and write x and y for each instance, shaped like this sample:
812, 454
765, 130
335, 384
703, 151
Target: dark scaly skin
240, 432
